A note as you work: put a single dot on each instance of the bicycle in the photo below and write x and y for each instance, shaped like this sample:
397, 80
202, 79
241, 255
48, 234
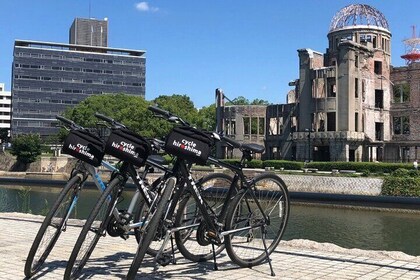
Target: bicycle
242, 196
133, 150
87, 148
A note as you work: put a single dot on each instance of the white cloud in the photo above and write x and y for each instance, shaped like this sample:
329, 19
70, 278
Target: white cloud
144, 7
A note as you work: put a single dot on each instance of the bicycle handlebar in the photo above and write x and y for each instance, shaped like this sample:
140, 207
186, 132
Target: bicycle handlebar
68, 122
233, 143
113, 122
159, 111
167, 115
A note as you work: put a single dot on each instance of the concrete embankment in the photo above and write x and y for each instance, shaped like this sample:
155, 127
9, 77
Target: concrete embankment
324, 189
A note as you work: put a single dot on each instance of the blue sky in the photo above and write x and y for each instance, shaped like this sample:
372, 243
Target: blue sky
247, 48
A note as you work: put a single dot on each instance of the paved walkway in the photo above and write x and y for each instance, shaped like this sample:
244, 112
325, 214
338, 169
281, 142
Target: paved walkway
297, 259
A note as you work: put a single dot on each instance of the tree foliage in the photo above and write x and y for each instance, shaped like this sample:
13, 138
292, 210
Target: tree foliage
240, 100
207, 118
26, 147
132, 111
4, 135
127, 109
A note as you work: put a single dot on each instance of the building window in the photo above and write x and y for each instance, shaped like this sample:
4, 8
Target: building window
378, 67
356, 88
261, 126
379, 99
356, 121
356, 61
364, 38
379, 131
401, 93
331, 121
401, 125
331, 87
246, 125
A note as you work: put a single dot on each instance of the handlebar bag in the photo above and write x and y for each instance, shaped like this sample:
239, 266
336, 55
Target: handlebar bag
128, 146
85, 146
190, 144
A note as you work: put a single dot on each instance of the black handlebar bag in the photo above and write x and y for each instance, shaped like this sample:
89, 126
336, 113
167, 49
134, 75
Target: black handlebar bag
190, 144
128, 146
85, 146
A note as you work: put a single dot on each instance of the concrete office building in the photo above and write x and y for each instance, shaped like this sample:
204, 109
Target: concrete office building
5, 107
89, 32
49, 77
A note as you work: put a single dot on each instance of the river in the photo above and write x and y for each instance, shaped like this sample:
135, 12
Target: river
349, 228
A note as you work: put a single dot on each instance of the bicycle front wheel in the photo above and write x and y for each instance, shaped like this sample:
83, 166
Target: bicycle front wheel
245, 245
191, 239
52, 226
151, 225
94, 228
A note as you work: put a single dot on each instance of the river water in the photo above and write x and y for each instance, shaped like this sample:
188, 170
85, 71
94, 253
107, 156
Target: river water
349, 228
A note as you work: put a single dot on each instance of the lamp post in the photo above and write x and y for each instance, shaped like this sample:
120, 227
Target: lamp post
309, 144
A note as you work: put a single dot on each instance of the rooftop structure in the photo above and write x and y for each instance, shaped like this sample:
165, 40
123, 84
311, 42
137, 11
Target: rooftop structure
358, 15
89, 32
412, 47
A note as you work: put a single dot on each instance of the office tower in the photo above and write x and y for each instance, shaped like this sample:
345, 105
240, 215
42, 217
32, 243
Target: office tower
49, 77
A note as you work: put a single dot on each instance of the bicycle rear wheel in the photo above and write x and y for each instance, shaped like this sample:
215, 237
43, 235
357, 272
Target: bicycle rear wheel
191, 241
139, 217
52, 226
94, 228
149, 231
245, 247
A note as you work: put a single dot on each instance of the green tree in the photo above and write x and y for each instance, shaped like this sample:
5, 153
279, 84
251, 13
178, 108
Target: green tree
239, 101
4, 135
207, 118
244, 101
127, 109
259, 102
180, 105
26, 148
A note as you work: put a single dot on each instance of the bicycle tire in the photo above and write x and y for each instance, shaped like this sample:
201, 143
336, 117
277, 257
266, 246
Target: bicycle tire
213, 188
142, 211
96, 225
52, 227
246, 248
150, 228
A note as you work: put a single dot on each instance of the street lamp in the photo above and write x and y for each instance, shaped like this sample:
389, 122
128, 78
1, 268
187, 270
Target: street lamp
309, 144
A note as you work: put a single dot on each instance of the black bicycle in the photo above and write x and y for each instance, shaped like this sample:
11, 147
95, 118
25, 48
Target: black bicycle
251, 220
134, 151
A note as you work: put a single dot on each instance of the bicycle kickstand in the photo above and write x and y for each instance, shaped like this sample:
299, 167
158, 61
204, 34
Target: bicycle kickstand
214, 257
173, 250
263, 232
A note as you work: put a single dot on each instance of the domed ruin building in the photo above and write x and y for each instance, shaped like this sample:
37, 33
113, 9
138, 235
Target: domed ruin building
341, 109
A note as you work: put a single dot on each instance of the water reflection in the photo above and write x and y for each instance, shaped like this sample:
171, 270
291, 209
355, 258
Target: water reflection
37, 200
363, 229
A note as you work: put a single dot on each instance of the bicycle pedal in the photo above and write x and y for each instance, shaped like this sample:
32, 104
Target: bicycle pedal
124, 236
164, 260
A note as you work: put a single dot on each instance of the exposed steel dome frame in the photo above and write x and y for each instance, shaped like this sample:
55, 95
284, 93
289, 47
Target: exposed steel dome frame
358, 14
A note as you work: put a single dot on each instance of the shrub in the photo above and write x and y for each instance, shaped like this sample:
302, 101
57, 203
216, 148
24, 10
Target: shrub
401, 186
400, 172
288, 165
255, 163
26, 147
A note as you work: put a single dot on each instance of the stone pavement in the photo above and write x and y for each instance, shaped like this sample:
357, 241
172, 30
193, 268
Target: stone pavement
296, 259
